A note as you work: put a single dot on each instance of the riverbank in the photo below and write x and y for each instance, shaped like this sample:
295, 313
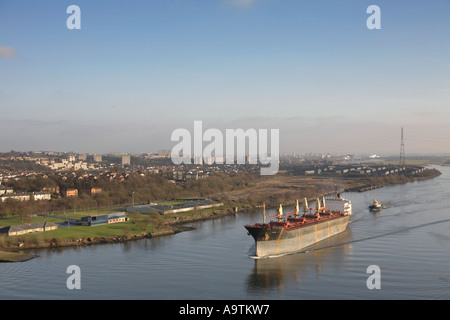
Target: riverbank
282, 189
168, 226
286, 189
8, 256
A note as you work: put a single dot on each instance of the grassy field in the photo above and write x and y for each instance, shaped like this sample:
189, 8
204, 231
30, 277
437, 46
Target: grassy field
71, 233
70, 215
137, 223
17, 220
13, 256
80, 214
77, 232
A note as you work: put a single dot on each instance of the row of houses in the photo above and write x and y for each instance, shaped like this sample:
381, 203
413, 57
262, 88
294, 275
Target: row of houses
71, 192
179, 175
27, 228
4, 190
361, 169
26, 196
6, 194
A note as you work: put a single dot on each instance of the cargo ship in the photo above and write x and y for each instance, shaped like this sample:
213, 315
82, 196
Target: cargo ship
292, 232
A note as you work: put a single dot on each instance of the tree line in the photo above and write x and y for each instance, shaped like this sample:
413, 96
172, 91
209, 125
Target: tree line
137, 187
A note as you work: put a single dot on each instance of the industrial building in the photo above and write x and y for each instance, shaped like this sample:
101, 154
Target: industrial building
27, 228
103, 219
166, 209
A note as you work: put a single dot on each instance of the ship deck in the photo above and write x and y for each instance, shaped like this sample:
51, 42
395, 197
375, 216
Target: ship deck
292, 223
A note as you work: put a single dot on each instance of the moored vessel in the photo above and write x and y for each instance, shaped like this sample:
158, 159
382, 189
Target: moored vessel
293, 232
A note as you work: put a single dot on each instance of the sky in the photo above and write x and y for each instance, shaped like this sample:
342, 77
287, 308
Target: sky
138, 70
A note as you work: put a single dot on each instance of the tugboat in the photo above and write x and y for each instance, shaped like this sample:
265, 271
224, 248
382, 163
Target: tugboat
376, 205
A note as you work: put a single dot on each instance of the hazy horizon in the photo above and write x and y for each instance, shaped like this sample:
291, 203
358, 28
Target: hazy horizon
136, 71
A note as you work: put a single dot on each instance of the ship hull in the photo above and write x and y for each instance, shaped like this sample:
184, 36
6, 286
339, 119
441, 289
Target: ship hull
276, 241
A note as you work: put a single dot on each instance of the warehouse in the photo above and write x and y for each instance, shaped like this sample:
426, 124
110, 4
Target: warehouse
27, 228
103, 219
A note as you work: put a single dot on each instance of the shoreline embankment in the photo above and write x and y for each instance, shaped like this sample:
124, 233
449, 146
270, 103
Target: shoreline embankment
14, 252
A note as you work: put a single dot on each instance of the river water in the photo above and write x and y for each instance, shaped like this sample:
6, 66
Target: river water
409, 241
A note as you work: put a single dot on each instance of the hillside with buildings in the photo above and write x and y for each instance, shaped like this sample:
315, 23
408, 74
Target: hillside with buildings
40, 182
135, 190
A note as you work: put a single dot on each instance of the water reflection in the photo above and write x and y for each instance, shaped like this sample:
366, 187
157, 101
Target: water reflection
277, 272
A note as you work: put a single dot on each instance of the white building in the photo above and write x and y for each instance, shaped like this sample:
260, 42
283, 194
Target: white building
41, 196
5, 190
15, 196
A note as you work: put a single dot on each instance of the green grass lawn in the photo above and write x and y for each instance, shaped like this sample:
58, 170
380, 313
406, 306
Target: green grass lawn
80, 214
71, 215
16, 220
79, 232
13, 256
136, 223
